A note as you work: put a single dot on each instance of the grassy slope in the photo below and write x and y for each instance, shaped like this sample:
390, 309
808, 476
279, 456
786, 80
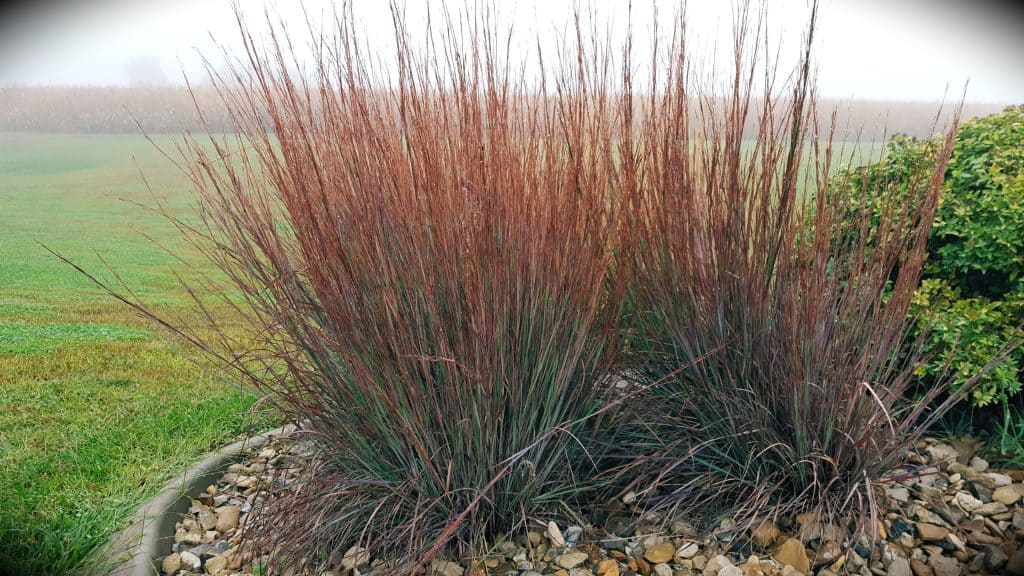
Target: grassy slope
96, 408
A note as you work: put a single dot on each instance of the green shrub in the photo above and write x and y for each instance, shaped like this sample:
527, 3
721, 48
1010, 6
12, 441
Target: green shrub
966, 333
978, 239
977, 250
971, 301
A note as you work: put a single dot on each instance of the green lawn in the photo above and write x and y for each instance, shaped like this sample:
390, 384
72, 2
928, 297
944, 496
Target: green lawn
97, 407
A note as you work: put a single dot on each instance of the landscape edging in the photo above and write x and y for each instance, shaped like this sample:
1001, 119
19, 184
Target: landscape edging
149, 533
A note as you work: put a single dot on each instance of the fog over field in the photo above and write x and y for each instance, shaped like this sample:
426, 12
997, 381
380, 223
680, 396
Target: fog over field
866, 49
886, 66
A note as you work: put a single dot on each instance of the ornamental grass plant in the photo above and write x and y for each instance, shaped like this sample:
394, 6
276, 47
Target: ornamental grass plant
430, 253
795, 305
422, 250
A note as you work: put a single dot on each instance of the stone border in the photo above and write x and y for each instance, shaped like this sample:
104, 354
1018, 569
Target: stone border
149, 534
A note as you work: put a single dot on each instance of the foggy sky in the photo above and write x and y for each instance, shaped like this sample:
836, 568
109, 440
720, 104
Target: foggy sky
868, 49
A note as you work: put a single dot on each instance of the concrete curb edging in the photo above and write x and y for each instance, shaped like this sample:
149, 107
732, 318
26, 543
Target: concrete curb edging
149, 533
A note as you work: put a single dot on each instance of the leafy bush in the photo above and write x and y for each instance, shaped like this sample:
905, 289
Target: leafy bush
978, 242
965, 334
970, 302
775, 374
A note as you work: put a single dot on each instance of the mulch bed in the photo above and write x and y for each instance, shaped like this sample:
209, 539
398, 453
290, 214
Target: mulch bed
946, 513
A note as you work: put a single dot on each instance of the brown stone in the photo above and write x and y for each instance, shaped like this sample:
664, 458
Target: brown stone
1008, 494
979, 538
570, 560
171, 564
792, 553
966, 449
765, 534
919, 568
660, 553
608, 567
991, 509
216, 565
826, 553
931, 532
944, 565
227, 518
806, 517
1015, 566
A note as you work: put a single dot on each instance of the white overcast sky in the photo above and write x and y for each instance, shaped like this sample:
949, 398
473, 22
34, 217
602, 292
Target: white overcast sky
870, 49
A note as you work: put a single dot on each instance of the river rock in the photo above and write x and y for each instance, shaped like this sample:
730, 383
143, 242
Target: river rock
967, 502
216, 565
688, 550
898, 493
899, 567
811, 530
1008, 494
995, 558
1015, 565
991, 509
920, 568
188, 537
555, 535
207, 519
662, 570
570, 560
227, 519
608, 567
730, 570
996, 479
715, 565
827, 552
944, 565
942, 453
190, 561
662, 552
931, 532
792, 553
171, 564
765, 534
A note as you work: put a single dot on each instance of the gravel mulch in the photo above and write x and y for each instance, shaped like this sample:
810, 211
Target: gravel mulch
947, 513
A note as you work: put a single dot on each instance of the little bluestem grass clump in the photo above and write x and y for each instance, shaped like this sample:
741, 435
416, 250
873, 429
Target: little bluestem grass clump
423, 253
779, 352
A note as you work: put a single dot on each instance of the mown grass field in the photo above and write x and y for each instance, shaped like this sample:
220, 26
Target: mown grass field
97, 407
